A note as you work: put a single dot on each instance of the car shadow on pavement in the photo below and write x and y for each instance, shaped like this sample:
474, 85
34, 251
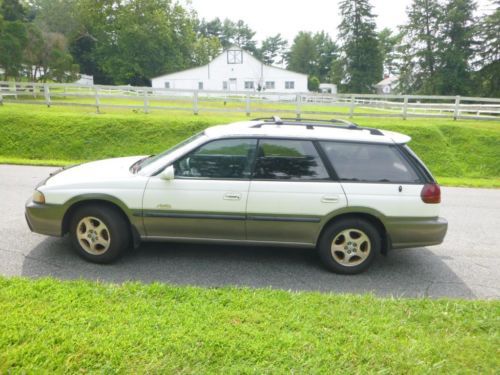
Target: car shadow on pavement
403, 273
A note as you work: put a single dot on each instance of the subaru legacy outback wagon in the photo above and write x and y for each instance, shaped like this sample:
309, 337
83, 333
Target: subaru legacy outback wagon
348, 191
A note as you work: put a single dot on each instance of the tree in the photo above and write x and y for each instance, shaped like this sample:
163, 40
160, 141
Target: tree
273, 50
229, 33
362, 61
326, 53
130, 41
205, 49
389, 43
421, 44
456, 52
13, 38
303, 55
12, 10
488, 62
313, 83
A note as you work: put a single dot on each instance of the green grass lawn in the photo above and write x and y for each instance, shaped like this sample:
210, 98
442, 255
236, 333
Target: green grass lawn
49, 326
463, 153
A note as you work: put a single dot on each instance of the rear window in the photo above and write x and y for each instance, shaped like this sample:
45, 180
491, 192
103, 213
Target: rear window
369, 162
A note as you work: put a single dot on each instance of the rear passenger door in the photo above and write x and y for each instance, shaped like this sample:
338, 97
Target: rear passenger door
290, 192
377, 176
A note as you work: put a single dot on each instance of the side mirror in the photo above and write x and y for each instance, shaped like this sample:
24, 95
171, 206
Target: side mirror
168, 173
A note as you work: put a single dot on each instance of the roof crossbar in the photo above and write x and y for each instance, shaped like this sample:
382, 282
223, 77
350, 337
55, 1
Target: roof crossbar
312, 123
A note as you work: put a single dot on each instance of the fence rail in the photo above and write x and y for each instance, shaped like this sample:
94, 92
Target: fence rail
148, 99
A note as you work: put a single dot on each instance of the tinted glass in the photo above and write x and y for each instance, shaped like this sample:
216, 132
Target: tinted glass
369, 162
288, 159
227, 158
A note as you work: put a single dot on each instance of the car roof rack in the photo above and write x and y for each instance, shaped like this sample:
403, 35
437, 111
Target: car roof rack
313, 123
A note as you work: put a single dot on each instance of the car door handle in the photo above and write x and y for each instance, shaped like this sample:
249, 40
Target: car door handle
329, 198
232, 196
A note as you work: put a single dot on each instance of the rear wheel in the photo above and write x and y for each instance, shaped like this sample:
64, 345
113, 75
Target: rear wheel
99, 234
349, 246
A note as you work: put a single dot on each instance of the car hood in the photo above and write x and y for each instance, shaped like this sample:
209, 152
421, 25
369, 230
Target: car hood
101, 171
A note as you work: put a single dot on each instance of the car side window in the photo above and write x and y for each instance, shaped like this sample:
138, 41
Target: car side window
369, 162
288, 160
224, 159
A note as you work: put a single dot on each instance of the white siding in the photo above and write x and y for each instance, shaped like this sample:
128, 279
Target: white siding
218, 71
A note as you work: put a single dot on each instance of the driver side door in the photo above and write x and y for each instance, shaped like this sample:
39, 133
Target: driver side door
207, 197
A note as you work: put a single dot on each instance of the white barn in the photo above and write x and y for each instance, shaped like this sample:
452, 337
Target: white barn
234, 70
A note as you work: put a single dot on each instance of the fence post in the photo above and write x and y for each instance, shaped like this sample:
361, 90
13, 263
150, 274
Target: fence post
195, 102
46, 93
247, 106
146, 101
298, 108
456, 112
1, 99
351, 108
97, 101
405, 107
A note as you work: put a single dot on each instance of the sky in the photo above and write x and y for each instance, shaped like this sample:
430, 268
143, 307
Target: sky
288, 17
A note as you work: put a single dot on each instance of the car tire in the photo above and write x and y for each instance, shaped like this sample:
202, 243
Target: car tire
349, 246
99, 234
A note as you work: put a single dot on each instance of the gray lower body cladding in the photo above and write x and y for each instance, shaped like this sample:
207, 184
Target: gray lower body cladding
285, 230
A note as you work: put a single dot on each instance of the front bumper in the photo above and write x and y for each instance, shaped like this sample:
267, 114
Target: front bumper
44, 218
416, 232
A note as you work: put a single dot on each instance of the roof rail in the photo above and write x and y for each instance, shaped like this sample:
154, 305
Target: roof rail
312, 123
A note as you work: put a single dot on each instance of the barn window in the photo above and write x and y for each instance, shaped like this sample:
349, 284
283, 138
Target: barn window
224, 85
235, 56
200, 85
290, 85
270, 85
249, 85
167, 85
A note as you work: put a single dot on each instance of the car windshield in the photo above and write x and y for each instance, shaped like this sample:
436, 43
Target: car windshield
153, 158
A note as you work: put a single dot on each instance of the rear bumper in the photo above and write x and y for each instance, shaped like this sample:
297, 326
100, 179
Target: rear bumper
44, 218
412, 232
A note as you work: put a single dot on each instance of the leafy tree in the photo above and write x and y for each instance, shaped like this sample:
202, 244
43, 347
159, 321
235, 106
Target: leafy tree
488, 62
388, 43
229, 33
327, 52
12, 10
313, 83
13, 37
205, 49
47, 56
303, 55
132, 40
459, 28
362, 61
421, 46
273, 50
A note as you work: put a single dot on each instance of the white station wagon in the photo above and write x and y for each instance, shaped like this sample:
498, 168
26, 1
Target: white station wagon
346, 190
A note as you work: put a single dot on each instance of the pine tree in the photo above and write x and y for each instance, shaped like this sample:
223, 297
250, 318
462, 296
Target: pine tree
303, 55
420, 48
459, 28
488, 76
362, 61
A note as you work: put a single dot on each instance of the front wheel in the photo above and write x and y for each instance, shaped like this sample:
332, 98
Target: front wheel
99, 234
349, 246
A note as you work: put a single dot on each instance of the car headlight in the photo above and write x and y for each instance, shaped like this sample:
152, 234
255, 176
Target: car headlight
38, 197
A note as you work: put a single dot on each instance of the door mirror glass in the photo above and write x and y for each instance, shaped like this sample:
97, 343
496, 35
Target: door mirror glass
168, 173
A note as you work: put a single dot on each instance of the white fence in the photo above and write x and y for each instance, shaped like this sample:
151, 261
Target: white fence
148, 99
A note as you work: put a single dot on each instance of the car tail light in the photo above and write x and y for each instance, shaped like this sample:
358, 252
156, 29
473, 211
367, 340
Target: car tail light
431, 193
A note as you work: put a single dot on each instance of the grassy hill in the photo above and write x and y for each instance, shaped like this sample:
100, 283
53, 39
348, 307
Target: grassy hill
458, 152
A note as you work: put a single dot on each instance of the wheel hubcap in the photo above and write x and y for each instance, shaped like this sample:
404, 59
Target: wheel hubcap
351, 247
93, 235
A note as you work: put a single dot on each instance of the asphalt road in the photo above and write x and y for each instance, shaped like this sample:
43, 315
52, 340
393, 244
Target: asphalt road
466, 265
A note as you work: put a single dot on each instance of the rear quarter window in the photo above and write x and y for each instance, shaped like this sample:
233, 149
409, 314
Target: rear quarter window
369, 162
